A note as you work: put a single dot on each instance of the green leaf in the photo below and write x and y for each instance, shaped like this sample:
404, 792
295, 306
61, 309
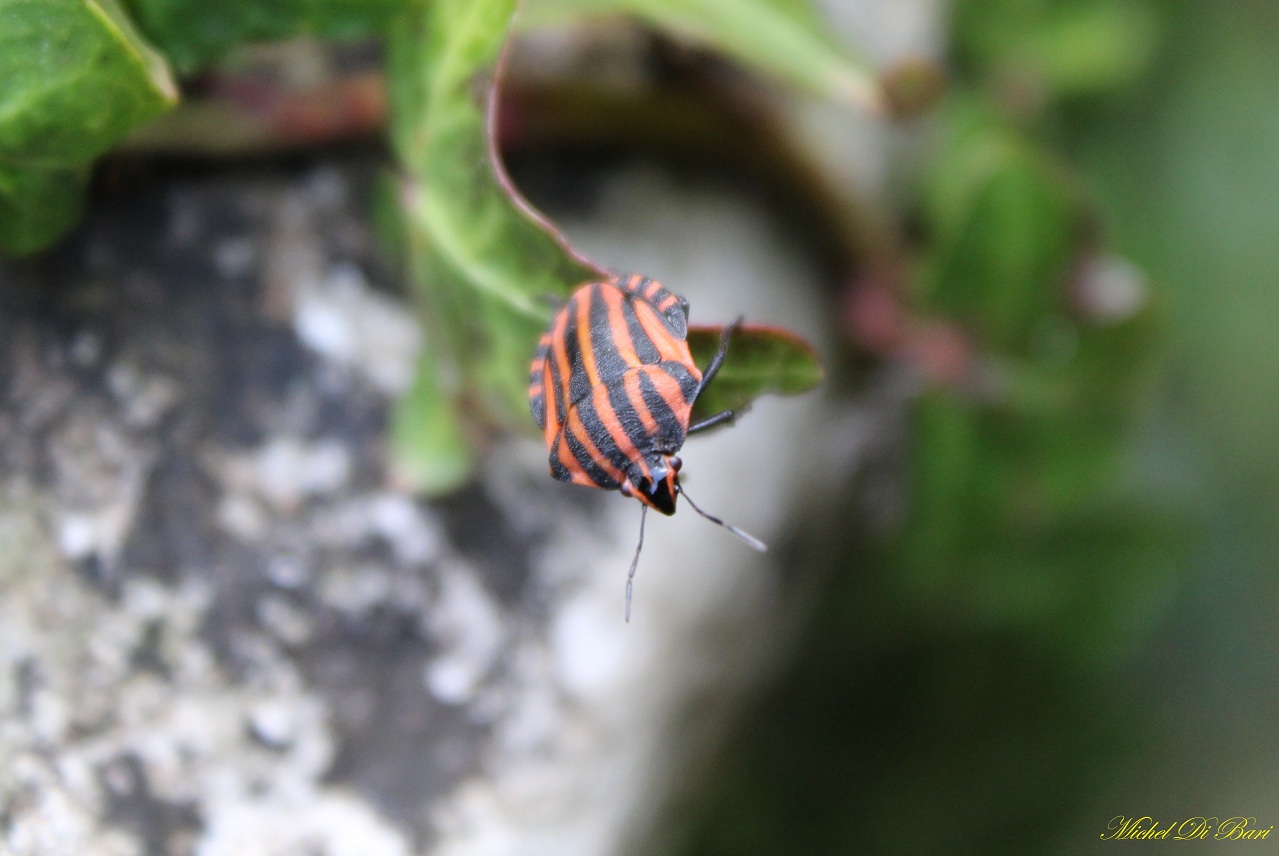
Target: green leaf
786, 38
37, 205
1076, 48
193, 32
760, 360
76, 78
1006, 226
486, 267
1094, 47
428, 449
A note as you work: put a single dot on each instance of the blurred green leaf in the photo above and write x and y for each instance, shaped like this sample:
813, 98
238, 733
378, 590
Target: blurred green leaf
76, 78
1056, 47
193, 32
485, 272
37, 205
428, 449
1095, 47
1066, 339
1191, 174
1005, 226
1034, 524
786, 38
761, 360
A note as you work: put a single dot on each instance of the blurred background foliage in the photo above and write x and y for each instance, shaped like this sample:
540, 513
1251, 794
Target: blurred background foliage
1076, 619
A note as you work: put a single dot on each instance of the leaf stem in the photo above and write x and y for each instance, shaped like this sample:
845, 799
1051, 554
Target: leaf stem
503, 178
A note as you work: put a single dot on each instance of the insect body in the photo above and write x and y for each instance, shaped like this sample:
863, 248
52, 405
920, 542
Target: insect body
612, 387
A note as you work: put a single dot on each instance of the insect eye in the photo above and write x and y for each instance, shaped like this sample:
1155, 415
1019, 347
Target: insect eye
675, 462
625, 489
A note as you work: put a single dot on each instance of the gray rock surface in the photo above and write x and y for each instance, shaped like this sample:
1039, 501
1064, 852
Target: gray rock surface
224, 630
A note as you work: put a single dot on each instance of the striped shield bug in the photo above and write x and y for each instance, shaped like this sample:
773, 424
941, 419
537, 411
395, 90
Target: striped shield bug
612, 387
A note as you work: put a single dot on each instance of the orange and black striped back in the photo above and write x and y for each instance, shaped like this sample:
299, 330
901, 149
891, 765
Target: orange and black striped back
612, 387
613, 383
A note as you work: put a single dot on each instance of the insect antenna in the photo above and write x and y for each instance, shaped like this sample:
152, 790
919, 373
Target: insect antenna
751, 541
630, 577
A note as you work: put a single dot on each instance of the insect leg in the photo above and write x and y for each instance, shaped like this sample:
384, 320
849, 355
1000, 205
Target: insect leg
718, 360
712, 421
630, 577
712, 369
751, 541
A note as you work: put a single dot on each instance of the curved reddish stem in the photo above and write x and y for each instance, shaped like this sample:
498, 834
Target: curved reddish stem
536, 217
